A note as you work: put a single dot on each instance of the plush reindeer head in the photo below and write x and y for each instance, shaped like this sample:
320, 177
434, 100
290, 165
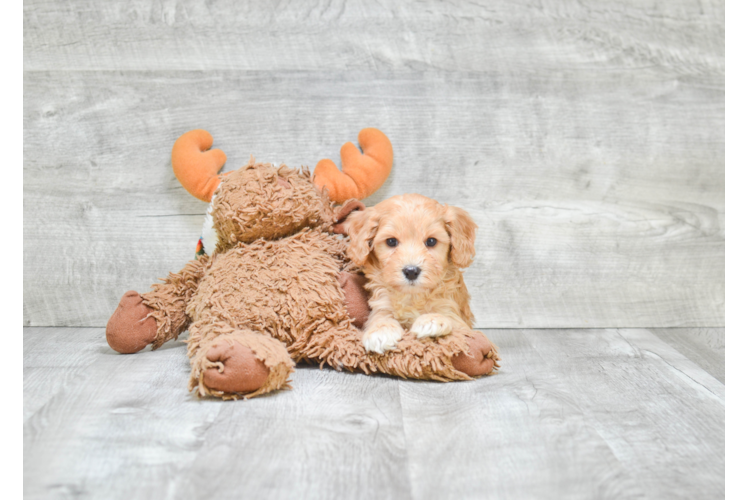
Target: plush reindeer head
263, 201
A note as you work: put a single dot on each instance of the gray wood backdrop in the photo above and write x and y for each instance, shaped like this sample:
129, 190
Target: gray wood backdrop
586, 139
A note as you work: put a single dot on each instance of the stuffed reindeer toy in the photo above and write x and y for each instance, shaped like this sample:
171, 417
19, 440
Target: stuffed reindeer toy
273, 285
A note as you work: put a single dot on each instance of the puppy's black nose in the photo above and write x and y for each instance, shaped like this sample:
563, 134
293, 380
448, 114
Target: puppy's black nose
411, 272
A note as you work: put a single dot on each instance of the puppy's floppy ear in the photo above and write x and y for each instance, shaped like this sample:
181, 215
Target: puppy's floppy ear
362, 226
461, 229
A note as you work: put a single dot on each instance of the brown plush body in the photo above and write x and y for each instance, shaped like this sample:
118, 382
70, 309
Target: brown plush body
278, 291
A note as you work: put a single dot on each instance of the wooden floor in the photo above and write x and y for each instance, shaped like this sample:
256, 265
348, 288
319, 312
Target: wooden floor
596, 413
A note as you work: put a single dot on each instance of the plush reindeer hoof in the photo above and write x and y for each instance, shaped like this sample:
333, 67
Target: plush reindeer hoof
240, 370
129, 330
479, 360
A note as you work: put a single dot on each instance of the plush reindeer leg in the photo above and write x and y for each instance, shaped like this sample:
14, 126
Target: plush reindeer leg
457, 356
131, 327
156, 316
461, 355
159, 315
480, 359
233, 364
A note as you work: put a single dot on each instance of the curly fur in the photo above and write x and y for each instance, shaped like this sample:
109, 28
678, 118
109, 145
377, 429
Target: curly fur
273, 286
260, 201
392, 237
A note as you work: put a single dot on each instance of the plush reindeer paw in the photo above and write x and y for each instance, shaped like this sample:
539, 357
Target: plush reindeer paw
237, 369
481, 358
241, 364
130, 329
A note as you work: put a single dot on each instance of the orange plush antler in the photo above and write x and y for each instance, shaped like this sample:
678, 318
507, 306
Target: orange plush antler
363, 173
195, 166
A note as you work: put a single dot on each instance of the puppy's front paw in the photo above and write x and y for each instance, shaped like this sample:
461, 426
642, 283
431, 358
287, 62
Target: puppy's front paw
431, 325
383, 337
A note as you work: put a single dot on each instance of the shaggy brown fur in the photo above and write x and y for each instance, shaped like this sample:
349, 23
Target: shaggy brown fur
271, 296
267, 203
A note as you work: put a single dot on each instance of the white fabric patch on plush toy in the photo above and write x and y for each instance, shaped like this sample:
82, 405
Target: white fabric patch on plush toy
208, 237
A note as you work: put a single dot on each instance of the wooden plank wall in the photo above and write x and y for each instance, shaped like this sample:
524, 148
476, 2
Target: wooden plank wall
586, 139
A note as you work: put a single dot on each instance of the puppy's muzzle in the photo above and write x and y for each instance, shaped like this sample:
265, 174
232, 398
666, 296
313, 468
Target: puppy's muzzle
411, 272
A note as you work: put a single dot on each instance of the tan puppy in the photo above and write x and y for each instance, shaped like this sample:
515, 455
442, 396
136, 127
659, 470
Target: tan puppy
411, 249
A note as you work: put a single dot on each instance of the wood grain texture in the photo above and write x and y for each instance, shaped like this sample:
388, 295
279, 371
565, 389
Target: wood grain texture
703, 346
524, 430
633, 406
484, 36
570, 234
55, 362
571, 414
586, 140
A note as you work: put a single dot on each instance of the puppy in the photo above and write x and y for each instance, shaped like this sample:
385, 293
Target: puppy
411, 249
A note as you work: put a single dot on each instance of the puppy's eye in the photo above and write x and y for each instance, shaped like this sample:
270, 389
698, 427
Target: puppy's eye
391, 242
431, 242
